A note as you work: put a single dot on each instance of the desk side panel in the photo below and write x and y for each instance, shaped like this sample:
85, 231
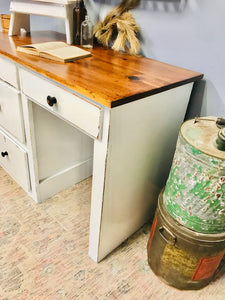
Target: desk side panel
142, 141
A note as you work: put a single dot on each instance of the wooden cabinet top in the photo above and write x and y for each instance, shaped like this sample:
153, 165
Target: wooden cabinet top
107, 77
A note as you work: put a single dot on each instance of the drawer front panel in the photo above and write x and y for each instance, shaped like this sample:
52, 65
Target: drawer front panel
75, 110
14, 160
8, 72
11, 112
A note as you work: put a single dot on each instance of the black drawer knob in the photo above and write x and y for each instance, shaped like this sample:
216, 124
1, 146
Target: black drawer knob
3, 154
51, 100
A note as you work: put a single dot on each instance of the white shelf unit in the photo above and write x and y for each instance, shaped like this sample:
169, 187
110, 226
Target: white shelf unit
22, 9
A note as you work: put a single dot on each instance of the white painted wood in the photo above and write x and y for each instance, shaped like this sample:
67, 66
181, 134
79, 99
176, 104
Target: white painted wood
141, 143
18, 21
75, 110
8, 72
22, 9
64, 179
59, 154
58, 145
15, 163
36, 8
69, 23
55, 1
98, 182
133, 148
31, 147
11, 115
12, 137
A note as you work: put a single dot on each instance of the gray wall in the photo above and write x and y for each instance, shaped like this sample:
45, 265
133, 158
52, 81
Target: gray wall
186, 33
4, 6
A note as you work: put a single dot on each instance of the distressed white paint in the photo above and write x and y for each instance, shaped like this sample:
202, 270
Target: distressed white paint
11, 116
63, 153
137, 143
79, 112
31, 147
15, 163
8, 72
136, 157
59, 154
64, 179
22, 9
98, 182
58, 145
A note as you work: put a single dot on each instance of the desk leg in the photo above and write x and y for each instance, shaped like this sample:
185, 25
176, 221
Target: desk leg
98, 185
131, 165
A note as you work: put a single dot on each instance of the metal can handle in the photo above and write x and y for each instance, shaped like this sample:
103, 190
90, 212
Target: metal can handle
169, 238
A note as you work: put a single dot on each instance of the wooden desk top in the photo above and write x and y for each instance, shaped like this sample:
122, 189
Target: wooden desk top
107, 77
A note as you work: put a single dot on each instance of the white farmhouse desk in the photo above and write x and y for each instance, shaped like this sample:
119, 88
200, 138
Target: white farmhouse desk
120, 112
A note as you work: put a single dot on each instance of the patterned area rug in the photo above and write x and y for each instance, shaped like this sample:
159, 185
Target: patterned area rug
44, 253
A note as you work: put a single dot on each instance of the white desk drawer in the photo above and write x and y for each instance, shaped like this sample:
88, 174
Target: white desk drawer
10, 111
8, 72
75, 110
14, 160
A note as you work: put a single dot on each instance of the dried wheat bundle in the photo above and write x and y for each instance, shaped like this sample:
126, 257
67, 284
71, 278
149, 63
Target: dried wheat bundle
121, 22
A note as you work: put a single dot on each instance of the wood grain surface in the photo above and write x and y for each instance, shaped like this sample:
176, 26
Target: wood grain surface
107, 77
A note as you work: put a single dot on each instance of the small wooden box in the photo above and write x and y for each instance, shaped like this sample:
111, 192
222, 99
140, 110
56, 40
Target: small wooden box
5, 21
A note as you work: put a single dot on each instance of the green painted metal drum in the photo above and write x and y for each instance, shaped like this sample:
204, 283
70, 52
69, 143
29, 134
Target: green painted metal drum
195, 190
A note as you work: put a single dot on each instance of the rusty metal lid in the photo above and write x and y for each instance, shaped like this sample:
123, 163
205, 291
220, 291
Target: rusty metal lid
204, 135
